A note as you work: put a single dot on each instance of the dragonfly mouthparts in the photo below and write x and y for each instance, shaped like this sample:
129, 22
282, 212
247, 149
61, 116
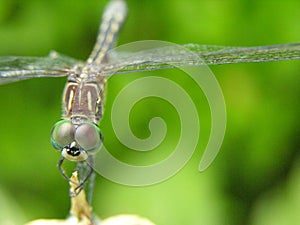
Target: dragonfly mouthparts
74, 153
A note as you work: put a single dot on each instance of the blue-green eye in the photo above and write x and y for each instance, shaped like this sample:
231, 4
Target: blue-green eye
62, 134
88, 136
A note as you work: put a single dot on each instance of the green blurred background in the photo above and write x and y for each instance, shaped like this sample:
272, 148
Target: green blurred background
255, 178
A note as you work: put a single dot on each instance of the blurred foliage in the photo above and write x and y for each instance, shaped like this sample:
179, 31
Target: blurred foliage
254, 180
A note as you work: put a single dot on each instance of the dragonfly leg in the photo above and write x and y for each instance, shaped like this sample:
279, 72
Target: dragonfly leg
91, 179
62, 172
87, 169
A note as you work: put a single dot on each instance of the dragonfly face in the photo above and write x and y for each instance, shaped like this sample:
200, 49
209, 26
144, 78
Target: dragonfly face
76, 142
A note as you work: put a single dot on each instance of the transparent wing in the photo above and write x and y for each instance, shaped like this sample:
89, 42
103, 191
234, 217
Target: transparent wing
15, 68
171, 56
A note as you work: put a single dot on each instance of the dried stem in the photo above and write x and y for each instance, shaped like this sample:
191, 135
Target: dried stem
81, 212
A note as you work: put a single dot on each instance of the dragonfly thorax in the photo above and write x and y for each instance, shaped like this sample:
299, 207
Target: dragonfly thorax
84, 99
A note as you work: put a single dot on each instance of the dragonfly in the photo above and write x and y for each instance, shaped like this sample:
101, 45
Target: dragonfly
77, 135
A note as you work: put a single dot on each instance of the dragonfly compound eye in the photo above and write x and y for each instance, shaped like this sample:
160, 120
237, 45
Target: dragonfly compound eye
62, 134
88, 136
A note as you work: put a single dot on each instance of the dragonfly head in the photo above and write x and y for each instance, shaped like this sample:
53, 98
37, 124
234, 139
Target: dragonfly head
76, 142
